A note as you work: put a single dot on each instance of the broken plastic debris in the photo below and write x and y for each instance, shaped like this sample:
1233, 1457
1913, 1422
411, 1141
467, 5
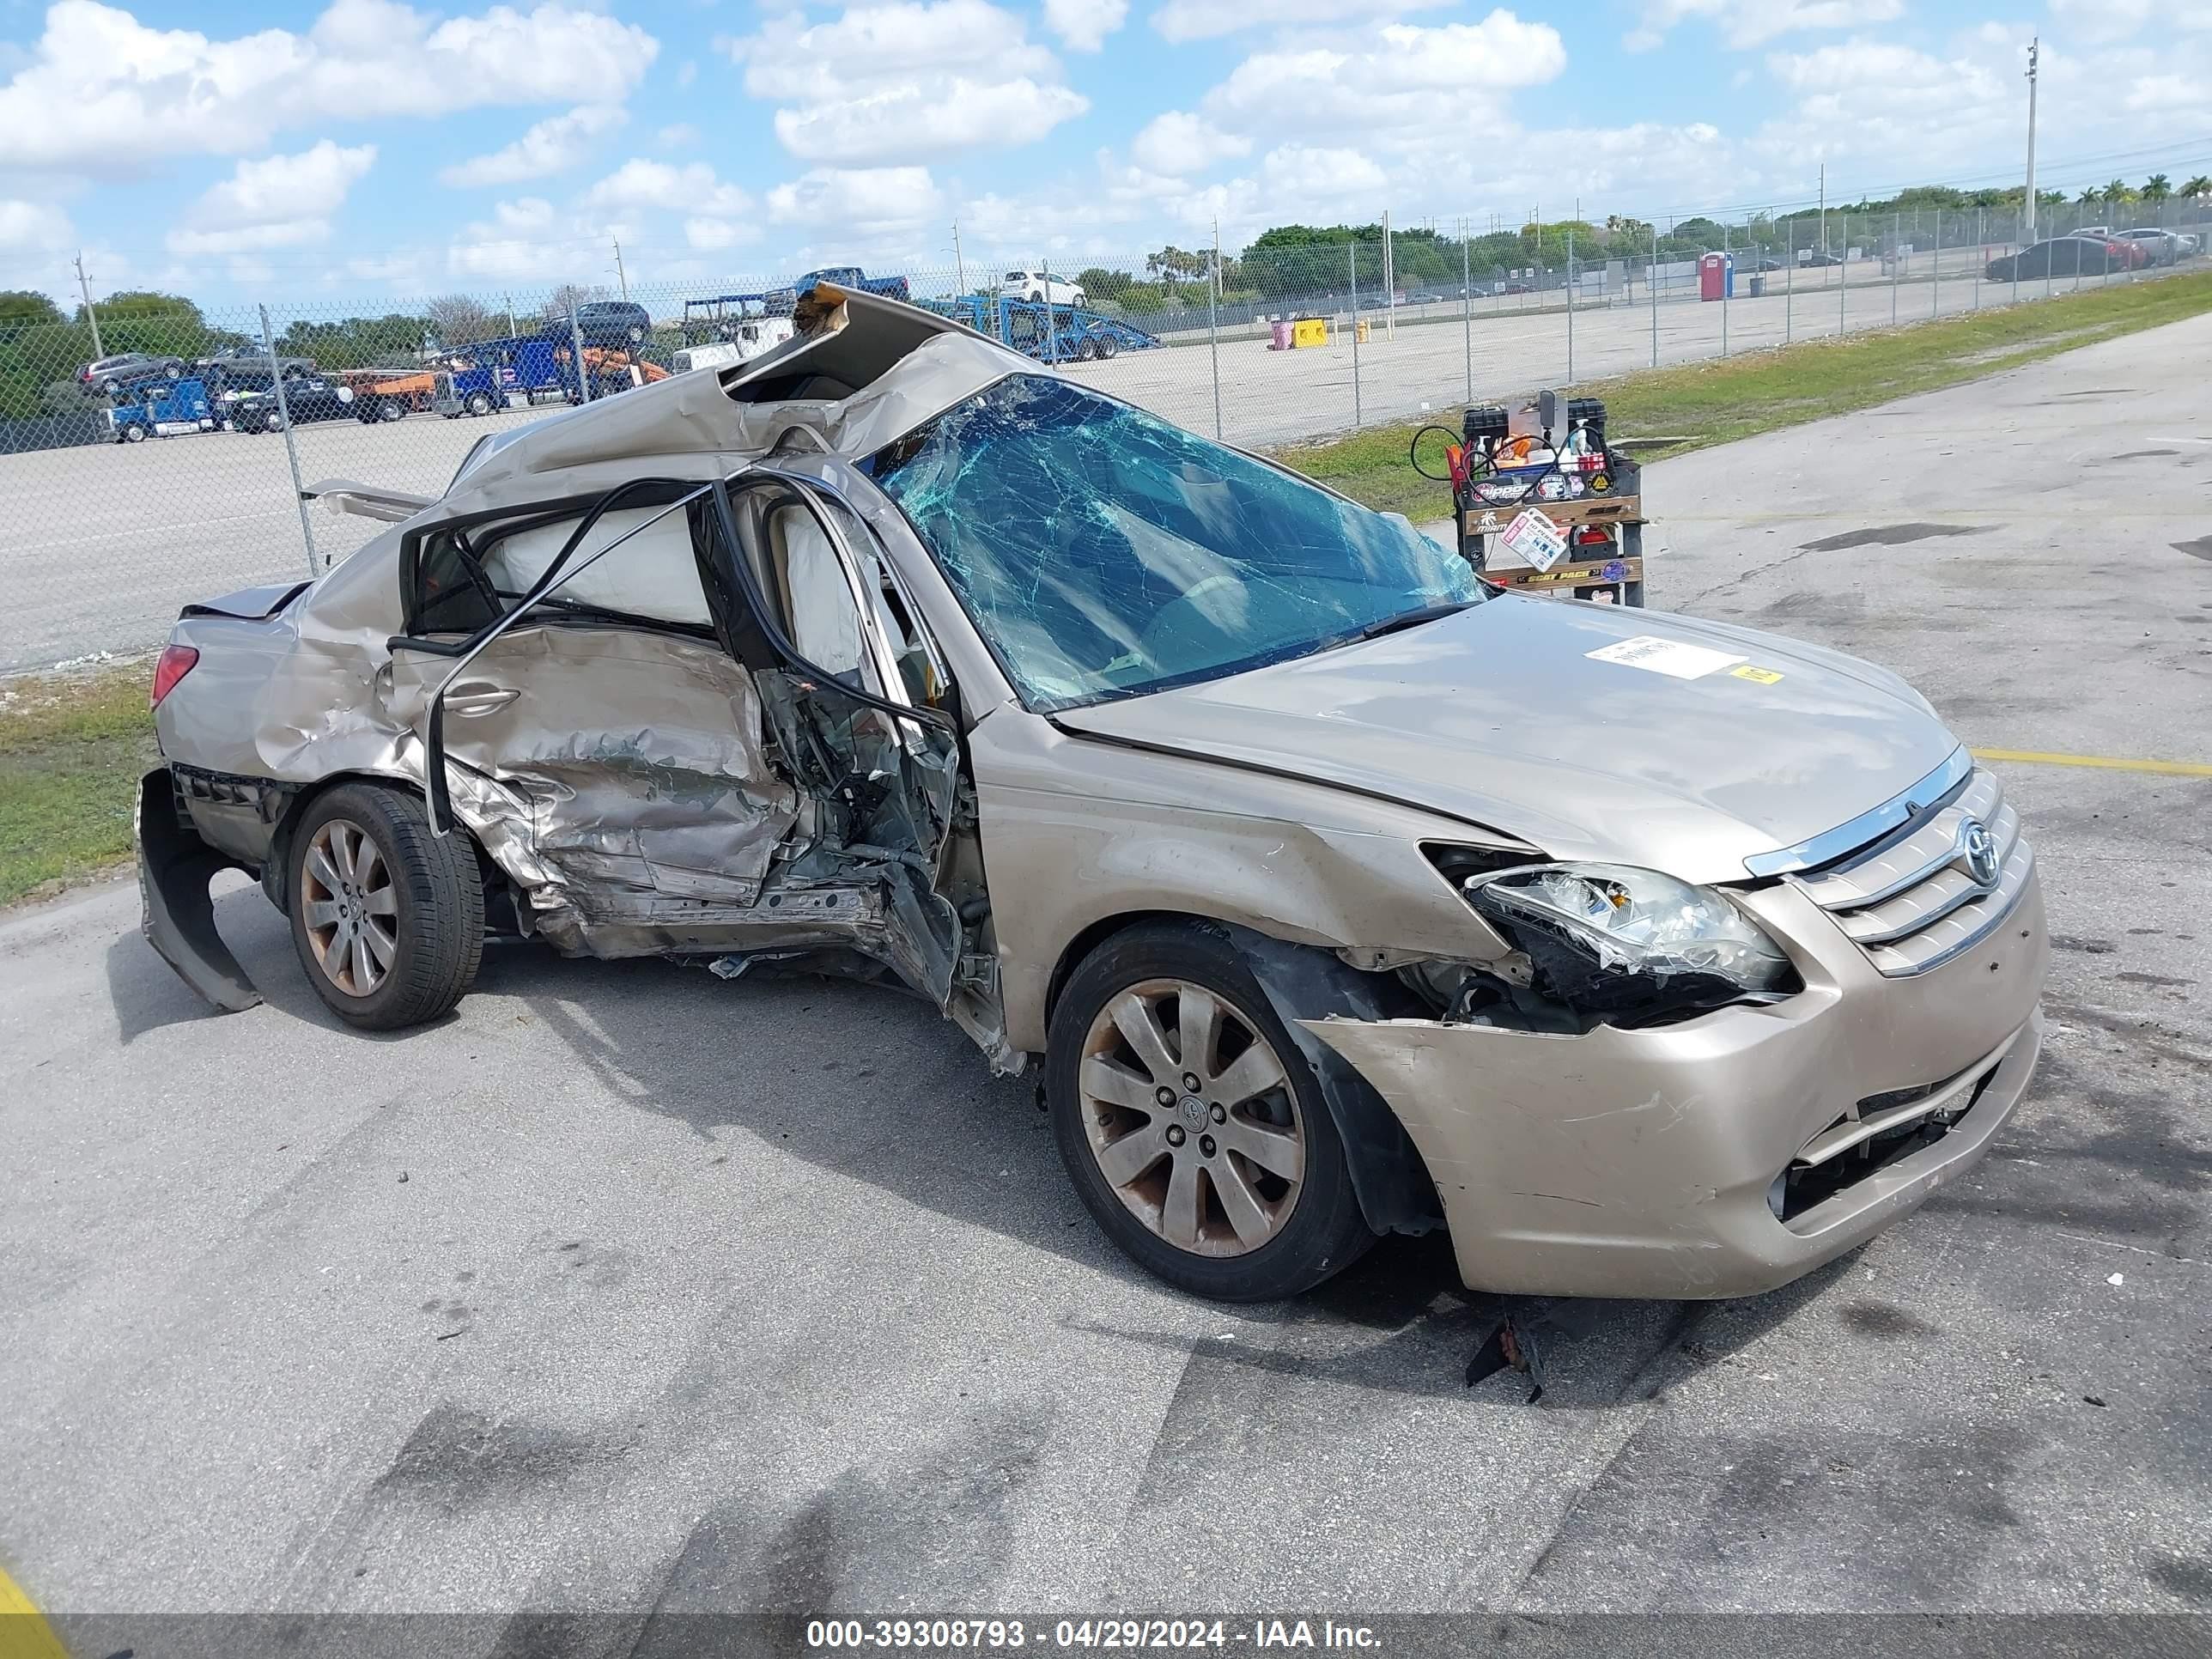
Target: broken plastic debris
2116, 1279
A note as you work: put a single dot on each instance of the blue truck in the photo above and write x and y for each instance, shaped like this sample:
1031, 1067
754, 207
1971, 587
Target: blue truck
161, 408
1050, 333
721, 316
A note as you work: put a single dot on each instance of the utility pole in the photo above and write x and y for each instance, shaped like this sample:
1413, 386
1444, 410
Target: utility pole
90, 315
959, 265
1389, 283
621, 275
512, 330
2034, 50
1824, 207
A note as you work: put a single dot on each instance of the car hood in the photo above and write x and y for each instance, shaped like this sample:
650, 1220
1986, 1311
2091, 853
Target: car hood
1500, 716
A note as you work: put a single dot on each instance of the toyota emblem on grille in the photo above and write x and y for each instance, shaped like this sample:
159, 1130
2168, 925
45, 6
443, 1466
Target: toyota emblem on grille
1981, 852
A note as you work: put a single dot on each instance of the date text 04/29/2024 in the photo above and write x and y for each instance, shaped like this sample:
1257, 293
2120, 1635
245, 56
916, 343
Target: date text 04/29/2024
986, 1635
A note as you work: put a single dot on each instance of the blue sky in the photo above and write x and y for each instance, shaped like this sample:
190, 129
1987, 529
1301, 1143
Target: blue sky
365, 148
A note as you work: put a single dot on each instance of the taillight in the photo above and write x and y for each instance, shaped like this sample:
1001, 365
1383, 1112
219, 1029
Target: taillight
1593, 537
174, 663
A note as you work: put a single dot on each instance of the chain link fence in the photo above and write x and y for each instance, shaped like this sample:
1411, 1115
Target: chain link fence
162, 459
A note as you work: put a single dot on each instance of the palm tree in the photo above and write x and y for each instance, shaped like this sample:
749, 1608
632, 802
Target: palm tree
2090, 196
2200, 186
2157, 188
2119, 191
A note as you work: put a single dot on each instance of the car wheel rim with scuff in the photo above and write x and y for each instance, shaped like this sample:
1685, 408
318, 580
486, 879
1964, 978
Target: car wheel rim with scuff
352, 908
1191, 1118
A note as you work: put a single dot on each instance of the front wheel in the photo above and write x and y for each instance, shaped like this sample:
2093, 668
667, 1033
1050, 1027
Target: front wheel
134, 435
387, 919
1191, 1126
390, 409
479, 403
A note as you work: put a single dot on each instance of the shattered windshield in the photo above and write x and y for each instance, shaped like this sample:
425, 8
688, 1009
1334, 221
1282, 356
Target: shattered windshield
1104, 553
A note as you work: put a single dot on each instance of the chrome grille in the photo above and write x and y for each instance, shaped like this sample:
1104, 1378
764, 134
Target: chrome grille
1909, 900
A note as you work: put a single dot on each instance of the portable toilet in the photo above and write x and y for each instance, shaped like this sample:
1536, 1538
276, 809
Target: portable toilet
1717, 276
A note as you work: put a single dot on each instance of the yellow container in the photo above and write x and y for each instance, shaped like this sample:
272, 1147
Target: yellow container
1309, 332
1363, 332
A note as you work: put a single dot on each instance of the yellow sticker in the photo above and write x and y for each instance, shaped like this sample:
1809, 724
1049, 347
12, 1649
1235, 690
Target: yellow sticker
1756, 676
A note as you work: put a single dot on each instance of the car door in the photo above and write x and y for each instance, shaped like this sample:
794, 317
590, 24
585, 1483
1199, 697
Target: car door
683, 718
608, 738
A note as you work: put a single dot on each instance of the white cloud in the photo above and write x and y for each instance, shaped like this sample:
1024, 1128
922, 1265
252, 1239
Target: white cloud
1178, 144
279, 201
1203, 20
101, 93
874, 203
1388, 89
907, 80
1339, 178
553, 145
34, 227
1083, 25
682, 134
1743, 23
692, 189
709, 233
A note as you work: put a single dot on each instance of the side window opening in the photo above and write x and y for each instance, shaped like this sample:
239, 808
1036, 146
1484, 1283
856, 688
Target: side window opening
466, 577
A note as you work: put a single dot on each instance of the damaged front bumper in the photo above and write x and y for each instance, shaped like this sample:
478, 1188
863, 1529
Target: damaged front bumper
1728, 1154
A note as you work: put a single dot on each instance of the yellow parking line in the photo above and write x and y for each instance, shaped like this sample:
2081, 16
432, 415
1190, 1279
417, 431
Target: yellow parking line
2032, 757
24, 1632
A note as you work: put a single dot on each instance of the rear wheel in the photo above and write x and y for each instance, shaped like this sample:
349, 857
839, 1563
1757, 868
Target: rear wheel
1108, 345
391, 409
387, 919
479, 403
1190, 1124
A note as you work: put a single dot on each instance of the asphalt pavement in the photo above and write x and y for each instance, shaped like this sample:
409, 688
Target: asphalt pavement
628, 1291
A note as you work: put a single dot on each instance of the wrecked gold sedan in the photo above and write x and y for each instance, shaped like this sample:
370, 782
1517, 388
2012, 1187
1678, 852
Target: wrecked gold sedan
1335, 893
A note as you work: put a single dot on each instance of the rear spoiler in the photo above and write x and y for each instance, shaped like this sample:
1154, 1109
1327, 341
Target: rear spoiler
367, 500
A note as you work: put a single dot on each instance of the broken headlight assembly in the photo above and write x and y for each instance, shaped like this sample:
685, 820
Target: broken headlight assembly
1618, 945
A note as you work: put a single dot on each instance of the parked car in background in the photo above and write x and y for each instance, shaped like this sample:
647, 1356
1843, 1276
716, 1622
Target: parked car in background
1818, 255
1192, 792
1038, 287
249, 368
611, 323
2165, 247
105, 376
310, 399
2065, 255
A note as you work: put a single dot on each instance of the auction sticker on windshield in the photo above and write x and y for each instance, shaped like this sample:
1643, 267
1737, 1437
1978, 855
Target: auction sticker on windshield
1669, 657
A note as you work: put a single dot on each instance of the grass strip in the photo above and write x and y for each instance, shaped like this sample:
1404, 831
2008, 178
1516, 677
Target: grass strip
1722, 399
72, 747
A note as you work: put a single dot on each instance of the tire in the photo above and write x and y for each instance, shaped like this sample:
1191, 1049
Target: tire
1086, 350
478, 404
635, 335
1108, 345
134, 433
172, 371
108, 388
1296, 1232
390, 409
416, 924
1036, 299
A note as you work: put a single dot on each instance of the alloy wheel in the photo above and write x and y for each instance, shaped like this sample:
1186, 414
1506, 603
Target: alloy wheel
1192, 1119
350, 906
